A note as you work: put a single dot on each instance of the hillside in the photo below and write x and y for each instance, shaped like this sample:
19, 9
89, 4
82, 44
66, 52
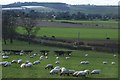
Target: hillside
88, 9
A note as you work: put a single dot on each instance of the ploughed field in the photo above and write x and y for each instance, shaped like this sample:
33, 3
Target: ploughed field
38, 71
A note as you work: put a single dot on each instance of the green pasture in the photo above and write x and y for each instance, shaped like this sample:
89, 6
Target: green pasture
109, 23
38, 71
85, 33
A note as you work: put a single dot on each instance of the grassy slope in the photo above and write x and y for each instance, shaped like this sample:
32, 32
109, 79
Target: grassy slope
38, 71
85, 33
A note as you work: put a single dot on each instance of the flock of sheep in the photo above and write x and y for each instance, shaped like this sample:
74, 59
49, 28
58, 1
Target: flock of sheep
53, 70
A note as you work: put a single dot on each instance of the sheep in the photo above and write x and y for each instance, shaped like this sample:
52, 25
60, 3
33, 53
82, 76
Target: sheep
34, 54
46, 54
41, 58
5, 57
57, 58
7, 64
86, 55
14, 61
28, 65
46, 57
75, 73
95, 72
84, 62
71, 71
49, 66
3, 63
36, 62
21, 53
87, 71
57, 67
54, 71
23, 65
27, 62
57, 62
114, 55
81, 73
19, 61
67, 57
31, 56
64, 71
113, 63
105, 62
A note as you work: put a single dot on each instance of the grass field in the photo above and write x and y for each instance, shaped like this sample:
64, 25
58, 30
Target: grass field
85, 33
38, 71
110, 23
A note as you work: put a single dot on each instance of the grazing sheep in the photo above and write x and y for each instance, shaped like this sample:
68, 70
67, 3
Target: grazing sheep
54, 71
46, 57
71, 71
27, 62
57, 58
96, 72
113, 63
14, 61
3, 63
69, 54
75, 73
23, 65
41, 58
57, 62
46, 54
114, 55
5, 57
84, 62
21, 53
64, 71
105, 62
86, 55
67, 57
87, 71
31, 56
57, 67
19, 61
34, 54
49, 66
7, 64
28, 65
36, 62
81, 73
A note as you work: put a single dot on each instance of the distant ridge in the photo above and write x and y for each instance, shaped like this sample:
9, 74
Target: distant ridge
90, 9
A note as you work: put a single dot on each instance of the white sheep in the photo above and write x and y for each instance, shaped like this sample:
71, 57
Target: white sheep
46, 57
86, 55
113, 63
32, 56
36, 62
7, 64
75, 73
105, 62
71, 71
14, 61
57, 67
41, 58
114, 55
64, 71
28, 65
27, 61
5, 57
19, 61
21, 53
46, 54
57, 62
49, 66
96, 72
67, 57
54, 71
84, 62
81, 73
3, 63
87, 71
23, 65
57, 58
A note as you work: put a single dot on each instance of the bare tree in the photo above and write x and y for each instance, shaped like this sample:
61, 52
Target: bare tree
30, 27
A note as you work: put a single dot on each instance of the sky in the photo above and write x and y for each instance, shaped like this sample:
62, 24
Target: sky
92, 2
